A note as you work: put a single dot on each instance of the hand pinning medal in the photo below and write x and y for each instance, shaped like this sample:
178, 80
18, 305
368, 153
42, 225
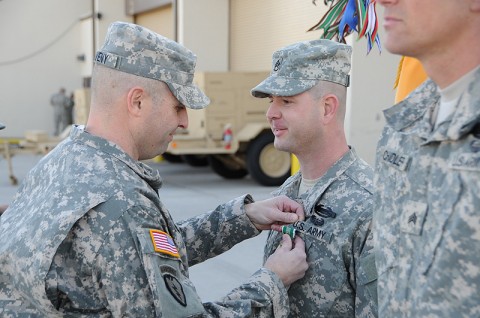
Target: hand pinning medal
290, 230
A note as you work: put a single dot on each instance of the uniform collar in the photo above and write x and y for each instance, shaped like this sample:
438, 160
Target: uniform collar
308, 199
416, 111
151, 176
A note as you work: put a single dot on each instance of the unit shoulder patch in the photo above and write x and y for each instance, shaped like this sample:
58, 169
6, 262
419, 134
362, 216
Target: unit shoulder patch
175, 288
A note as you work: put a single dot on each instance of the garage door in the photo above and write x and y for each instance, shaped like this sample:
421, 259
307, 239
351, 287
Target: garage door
258, 28
159, 20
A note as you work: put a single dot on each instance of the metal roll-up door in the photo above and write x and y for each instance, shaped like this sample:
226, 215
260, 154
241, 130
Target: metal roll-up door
160, 20
258, 28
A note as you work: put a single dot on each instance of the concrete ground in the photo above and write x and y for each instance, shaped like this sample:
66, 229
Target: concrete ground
187, 191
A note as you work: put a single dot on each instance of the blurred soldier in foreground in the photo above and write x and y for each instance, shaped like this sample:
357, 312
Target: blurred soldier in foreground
307, 91
87, 233
3, 207
427, 174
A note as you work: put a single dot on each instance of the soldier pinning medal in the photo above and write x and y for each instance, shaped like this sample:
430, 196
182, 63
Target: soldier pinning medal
87, 233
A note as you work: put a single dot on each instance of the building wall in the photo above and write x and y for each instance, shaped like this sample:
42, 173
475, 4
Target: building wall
203, 28
29, 77
35, 60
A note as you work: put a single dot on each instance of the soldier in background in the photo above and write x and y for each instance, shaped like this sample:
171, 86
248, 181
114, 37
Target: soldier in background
60, 102
87, 233
427, 173
307, 91
69, 113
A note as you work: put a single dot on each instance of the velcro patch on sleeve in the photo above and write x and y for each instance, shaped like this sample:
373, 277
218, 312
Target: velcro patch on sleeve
163, 243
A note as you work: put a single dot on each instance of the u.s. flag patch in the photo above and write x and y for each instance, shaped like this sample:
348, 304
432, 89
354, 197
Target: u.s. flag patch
163, 243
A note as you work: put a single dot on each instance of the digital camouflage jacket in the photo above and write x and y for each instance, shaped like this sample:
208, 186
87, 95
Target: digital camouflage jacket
341, 278
87, 235
427, 207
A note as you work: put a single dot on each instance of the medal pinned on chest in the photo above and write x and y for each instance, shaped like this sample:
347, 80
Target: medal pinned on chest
290, 230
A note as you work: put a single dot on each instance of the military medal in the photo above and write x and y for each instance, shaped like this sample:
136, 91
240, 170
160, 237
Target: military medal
290, 230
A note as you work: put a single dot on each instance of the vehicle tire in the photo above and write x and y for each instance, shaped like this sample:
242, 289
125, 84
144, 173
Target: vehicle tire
172, 158
225, 167
196, 160
267, 165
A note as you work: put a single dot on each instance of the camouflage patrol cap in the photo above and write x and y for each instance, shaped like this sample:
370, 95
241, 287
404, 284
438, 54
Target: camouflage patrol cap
298, 67
136, 50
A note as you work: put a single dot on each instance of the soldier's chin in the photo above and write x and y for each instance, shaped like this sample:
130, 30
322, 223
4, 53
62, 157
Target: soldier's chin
163, 149
280, 146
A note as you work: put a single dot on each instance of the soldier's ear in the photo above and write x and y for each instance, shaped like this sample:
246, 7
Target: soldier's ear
331, 104
135, 98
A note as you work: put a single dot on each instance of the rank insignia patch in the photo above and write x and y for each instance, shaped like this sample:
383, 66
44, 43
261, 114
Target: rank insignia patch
163, 243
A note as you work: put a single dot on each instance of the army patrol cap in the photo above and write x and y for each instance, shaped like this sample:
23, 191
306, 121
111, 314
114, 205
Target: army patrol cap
298, 67
136, 50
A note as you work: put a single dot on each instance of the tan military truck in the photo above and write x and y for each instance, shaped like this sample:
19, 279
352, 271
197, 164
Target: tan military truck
232, 134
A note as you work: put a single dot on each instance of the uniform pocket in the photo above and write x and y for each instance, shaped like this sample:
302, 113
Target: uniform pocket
326, 266
386, 225
367, 276
433, 227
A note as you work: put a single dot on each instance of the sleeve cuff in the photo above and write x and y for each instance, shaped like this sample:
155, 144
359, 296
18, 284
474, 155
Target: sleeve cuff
273, 286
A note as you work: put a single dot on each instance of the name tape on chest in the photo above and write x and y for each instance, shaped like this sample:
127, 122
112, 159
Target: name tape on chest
396, 160
163, 243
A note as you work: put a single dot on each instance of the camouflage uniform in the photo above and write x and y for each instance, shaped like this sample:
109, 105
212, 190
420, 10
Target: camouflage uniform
341, 279
427, 220
77, 240
87, 235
